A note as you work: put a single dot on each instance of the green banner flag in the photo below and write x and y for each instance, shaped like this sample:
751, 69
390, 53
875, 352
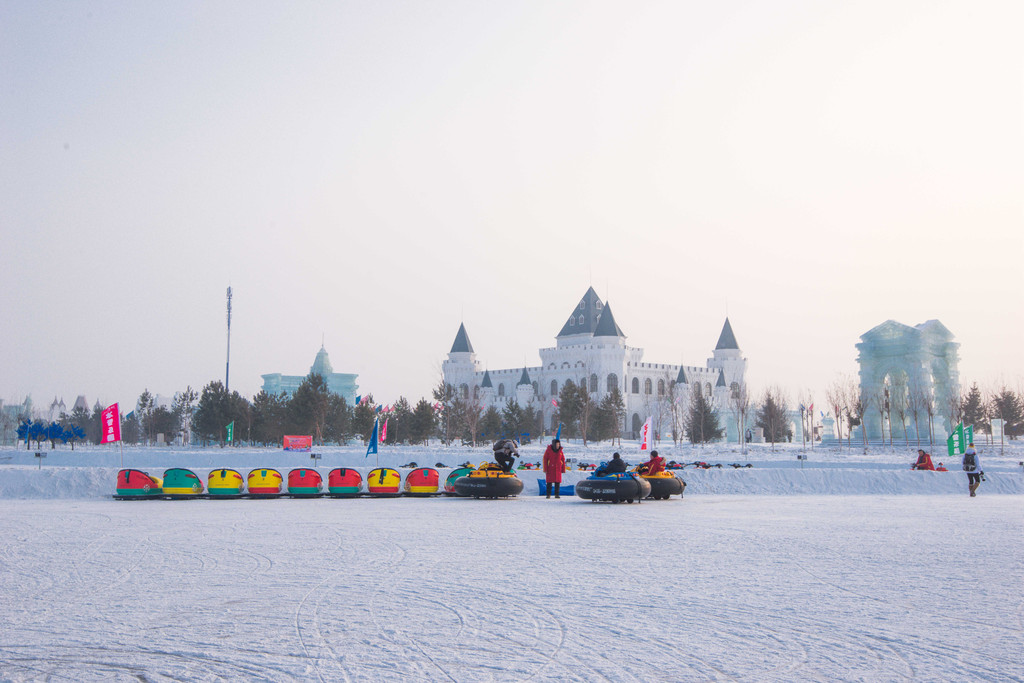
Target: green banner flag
957, 442
231, 432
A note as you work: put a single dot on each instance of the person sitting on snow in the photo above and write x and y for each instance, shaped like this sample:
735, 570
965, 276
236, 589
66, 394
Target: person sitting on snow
505, 453
614, 466
655, 465
924, 461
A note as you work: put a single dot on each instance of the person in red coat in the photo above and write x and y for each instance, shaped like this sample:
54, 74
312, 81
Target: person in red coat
554, 465
655, 465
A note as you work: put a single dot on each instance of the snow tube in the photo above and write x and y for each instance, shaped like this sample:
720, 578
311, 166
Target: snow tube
265, 483
383, 481
613, 488
488, 481
564, 490
422, 482
225, 483
664, 484
344, 483
453, 476
305, 483
182, 483
137, 485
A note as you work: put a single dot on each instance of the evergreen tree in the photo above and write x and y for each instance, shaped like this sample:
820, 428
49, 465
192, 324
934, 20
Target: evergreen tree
308, 407
143, 413
702, 419
94, 432
164, 421
569, 408
490, 424
512, 420
424, 421
185, 407
131, 430
772, 417
363, 416
447, 397
609, 414
239, 412
269, 416
1007, 406
399, 420
338, 425
212, 412
973, 409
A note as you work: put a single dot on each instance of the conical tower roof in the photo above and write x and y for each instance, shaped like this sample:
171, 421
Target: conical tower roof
462, 343
681, 378
486, 383
583, 319
606, 326
525, 379
322, 364
721, 379
727, 340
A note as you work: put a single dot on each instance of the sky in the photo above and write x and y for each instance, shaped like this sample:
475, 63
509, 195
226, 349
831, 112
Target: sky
369, 175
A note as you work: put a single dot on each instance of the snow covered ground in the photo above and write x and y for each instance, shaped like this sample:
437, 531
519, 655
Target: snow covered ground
716, 586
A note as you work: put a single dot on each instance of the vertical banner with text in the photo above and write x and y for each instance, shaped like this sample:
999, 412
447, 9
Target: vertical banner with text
111, 422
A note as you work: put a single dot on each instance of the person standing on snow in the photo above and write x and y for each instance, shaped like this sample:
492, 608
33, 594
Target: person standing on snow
972, 466
554, 465
505, 453
655, 465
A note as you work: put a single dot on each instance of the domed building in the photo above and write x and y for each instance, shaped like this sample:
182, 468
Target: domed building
339, 383
591, 350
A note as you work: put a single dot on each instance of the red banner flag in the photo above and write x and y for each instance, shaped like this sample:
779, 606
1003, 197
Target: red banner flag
111, 421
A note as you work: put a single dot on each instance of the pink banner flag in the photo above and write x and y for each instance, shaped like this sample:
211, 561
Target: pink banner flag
110, 419
554, 403
384, 431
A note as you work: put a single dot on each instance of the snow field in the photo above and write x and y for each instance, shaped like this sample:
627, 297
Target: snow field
705, 588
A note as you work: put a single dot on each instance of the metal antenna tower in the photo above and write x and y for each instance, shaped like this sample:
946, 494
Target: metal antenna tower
227, 367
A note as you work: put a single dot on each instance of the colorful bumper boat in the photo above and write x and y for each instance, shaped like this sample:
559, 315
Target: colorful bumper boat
225, 483
613, 488
422, 481
182, 483
453, 476
344, 483
305, 483
137, 485
265, 483
383, 482
488, 481
664, 484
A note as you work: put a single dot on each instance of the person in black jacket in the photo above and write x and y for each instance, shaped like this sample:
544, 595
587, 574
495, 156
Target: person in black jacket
614, 466
505, 453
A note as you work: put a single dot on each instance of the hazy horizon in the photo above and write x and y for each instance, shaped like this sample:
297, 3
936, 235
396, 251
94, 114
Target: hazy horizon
373, 174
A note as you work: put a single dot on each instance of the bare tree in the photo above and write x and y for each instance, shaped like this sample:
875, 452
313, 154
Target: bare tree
836, 397
677, 409
915, 405
739, 403
473, 410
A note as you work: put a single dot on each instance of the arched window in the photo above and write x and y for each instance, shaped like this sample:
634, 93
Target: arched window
572, 321
637, 424
534, 388
501, 389
612, 383
476, 392
735, 389
581, 318
648, 387
464, 388
636, 386
565, 365
554, 388
661, 387
593, 383
707, 389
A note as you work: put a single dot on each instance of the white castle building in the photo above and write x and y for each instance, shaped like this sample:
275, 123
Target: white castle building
591, 350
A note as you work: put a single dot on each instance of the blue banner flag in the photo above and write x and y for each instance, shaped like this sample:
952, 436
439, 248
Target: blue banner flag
358, 399
559, 434
372, 448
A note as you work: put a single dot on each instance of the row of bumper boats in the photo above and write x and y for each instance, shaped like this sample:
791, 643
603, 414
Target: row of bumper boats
382, 482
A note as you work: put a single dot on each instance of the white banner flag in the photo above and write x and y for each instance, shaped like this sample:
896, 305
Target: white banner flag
646, 435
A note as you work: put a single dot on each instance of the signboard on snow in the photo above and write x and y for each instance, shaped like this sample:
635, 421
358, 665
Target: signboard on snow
298, 443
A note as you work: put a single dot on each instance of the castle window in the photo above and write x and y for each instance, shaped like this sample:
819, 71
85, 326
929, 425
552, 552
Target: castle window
583, 304
476, 393
554, 387
593, 383
599, 305
636, 386
501, 389
735, 389
648, 387
707, 389
612, 382
464, 388
661, 387
581, 318
572, 321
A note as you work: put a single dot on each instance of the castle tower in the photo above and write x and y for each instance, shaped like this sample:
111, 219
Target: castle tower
524, 390
461, 367
728, 358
